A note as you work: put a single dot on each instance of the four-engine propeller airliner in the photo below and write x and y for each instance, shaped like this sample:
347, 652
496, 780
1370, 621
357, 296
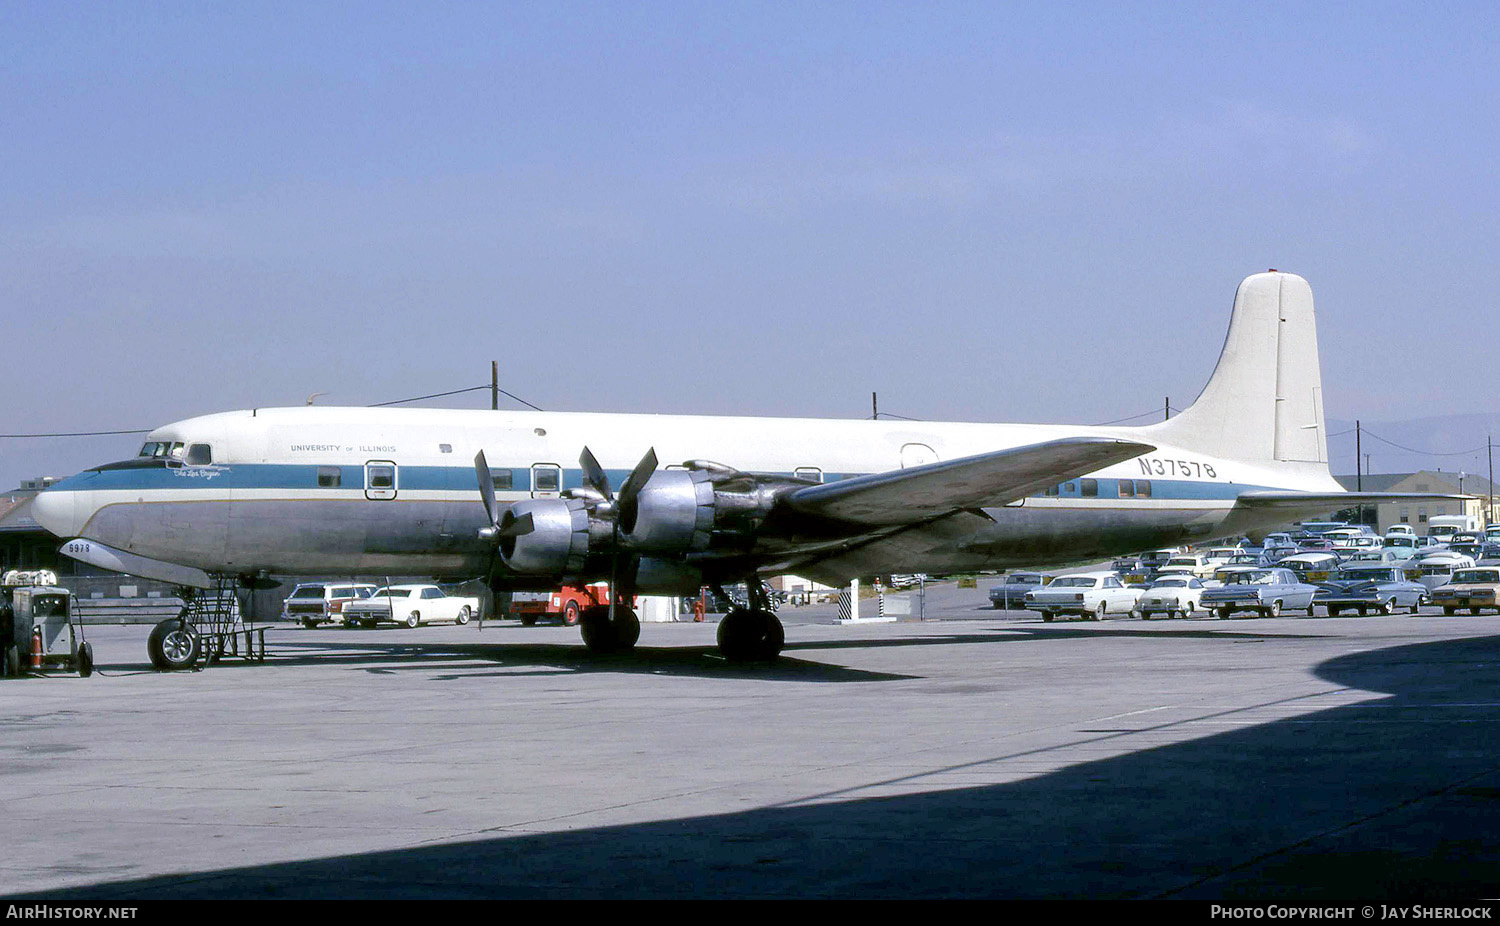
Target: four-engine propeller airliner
561, 497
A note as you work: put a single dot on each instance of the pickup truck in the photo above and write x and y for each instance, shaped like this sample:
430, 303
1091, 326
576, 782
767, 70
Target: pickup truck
412, 605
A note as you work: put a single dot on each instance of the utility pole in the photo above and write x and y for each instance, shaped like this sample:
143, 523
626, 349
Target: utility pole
494, 385
1359, 478
1489, 447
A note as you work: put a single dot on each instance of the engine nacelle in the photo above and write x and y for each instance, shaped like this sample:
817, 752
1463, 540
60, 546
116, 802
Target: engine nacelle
667, 577
674, 512
557, 542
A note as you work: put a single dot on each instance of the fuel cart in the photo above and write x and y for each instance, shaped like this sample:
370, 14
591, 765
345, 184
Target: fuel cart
38, 626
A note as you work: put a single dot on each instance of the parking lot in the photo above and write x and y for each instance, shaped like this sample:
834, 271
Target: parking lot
979, 753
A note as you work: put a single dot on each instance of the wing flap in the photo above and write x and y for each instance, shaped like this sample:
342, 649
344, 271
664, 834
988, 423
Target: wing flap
919, 493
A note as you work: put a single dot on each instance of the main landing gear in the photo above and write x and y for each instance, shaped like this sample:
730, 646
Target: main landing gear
602, 635
752, 634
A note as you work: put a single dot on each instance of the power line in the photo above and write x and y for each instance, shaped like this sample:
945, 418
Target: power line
1431, 453
435, 395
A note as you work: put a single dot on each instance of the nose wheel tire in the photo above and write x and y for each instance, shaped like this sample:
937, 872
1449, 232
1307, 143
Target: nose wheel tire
173, 645
747, 635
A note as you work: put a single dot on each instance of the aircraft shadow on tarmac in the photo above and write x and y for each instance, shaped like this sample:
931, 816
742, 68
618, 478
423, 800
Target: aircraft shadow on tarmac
1395, 799
375, 651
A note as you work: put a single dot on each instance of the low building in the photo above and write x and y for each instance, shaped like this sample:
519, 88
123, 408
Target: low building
1416, 514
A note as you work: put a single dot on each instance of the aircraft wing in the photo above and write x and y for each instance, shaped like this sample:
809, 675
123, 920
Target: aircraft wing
920, 493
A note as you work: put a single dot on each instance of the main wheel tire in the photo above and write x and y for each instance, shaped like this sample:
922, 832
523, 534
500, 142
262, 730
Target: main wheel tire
570, 613
601, 635
173, 645
747, 635
464, 613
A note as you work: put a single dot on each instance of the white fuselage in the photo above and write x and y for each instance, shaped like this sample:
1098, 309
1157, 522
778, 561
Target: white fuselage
323, 490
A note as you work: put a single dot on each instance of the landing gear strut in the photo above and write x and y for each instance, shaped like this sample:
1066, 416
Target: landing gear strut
752, 634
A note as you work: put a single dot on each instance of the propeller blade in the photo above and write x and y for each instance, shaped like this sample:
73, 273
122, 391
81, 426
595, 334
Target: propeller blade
638, 477
594, 475
517, 527
486, 488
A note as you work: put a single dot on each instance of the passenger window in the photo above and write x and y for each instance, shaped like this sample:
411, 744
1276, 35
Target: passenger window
380, 480
199, 455
330, 477
546, 479
1127, 488
1052, 491
1090, 488
1143, 488
503, 479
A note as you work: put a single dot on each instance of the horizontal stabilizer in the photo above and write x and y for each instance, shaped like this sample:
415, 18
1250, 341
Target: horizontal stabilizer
1323, 501
908, 496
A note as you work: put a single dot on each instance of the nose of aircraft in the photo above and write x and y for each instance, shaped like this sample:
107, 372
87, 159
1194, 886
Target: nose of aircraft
57, 511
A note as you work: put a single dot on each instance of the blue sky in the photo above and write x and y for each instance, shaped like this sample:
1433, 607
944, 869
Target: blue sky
984, 211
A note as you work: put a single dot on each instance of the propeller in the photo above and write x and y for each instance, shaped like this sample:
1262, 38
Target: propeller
596, 479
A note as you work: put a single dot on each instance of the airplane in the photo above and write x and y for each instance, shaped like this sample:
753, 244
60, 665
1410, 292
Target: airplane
318, 490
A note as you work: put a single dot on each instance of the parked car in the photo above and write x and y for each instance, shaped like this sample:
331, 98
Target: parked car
313, 603
411, 605
1405, 543
1315, 545
1266, 591
1087, 594
1012, 592
1193, 564
1252, 556
1473, 549
1436, 569
1389, 555
1311, 567
1477, 589
1172, 595
1365, 588
1400, 530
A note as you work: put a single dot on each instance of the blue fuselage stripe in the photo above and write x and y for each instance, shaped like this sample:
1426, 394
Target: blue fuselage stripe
247, 476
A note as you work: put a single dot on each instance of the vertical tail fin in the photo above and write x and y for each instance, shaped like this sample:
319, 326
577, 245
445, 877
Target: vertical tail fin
1264, 402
